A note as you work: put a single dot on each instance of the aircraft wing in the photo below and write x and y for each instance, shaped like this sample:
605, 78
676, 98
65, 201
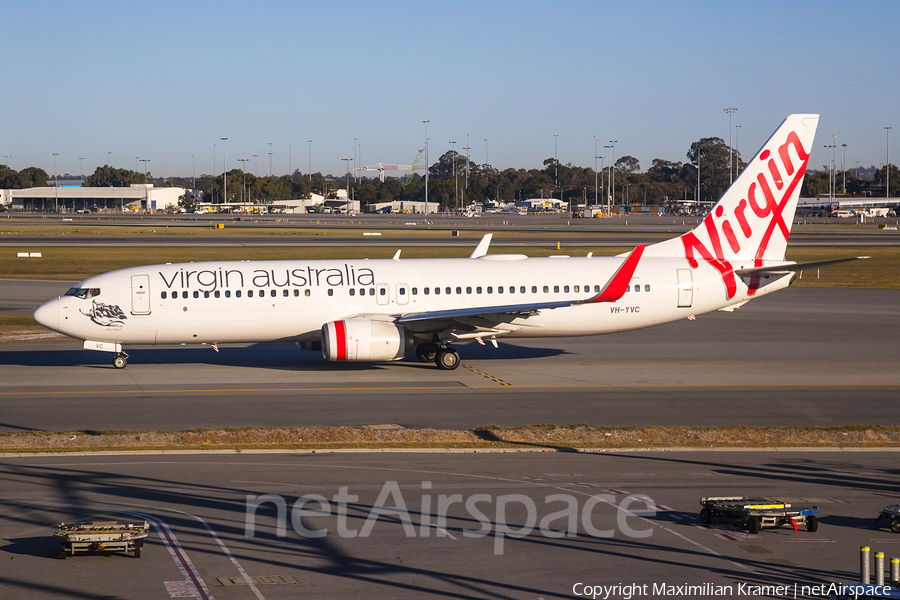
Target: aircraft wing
614, 289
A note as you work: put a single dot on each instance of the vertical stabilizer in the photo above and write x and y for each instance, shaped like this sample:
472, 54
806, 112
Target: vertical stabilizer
752, 221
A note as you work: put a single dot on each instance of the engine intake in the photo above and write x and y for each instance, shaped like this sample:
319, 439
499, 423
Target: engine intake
364, 340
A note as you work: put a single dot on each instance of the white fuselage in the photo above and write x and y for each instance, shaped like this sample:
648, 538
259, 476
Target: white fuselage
264, 301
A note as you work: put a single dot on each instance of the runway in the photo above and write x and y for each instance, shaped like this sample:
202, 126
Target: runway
799, 357
459, 525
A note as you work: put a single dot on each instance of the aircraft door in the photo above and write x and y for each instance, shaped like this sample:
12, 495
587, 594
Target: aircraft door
685, 288
381, 293
140, 294
402, 293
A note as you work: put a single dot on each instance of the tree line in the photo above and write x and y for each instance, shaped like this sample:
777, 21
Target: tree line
455, 183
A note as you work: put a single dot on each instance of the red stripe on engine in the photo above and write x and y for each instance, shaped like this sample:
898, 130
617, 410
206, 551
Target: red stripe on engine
340, 335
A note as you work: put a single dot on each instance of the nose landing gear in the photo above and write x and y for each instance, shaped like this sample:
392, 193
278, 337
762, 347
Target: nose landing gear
120, 360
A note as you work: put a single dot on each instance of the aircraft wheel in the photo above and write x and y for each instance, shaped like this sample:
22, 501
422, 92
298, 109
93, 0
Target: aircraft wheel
120, 361
812, 523
447, 359
754, 525
426, 352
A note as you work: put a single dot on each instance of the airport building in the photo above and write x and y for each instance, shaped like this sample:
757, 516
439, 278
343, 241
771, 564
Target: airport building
141, 197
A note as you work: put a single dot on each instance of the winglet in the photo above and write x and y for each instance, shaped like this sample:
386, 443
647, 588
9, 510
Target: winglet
397, 256
621, 279
482, 247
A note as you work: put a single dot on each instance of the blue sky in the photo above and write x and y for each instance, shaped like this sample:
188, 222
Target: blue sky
165, 80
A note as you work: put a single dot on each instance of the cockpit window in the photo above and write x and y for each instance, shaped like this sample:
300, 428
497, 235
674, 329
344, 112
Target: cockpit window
83, 293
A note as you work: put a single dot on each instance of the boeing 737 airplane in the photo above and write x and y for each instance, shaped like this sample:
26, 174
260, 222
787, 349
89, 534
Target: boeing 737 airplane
378, 310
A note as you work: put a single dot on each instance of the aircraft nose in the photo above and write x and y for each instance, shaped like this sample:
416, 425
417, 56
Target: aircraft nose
47, 315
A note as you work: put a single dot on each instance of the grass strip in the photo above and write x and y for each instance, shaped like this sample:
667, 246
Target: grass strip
550, 437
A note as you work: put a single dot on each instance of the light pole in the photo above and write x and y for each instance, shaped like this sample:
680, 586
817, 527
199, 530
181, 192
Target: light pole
243, 176
830, 173
887, 171
108, 158
556, 163
427, 165
730, 110
843, 169
737, 149
224, 172
455, 182
347, 160
82, 169
309, 156
193, 172
595, 171
486, 152
147, 171
612, 172
255, 165
466, 187
55, 185
270, 159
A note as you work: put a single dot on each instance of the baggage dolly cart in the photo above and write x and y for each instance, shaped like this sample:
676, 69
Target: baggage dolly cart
102, 536
756, 513
892, 514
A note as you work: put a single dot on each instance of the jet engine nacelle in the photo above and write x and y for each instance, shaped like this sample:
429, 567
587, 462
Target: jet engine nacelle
364, 340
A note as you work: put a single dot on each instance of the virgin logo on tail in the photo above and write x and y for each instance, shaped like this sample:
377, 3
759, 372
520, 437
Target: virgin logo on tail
748, 225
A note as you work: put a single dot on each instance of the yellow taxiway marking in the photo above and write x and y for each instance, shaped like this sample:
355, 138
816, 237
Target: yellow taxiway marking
491, 377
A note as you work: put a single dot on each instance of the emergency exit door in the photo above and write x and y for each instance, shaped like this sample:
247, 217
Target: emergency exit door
685, 288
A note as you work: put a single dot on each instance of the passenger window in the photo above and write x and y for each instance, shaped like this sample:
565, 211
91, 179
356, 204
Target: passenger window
228, 293
499, 289
352, 292
647, 288
284, 293
437, 290
459, 290
272, 293
478, 290
371, 291
415, 291
637, 288
383, 291
597, 288
330, 292
575, 289
555, 289
216, 293
206, 294
448, 291
306, 293
468, 289
512, 289
490, 290
249, 293
163, 295
427, 291
196, 294
184, 294
296, 293
402, 291
534, 289
546, 289
566, 289
522, 289
174, 295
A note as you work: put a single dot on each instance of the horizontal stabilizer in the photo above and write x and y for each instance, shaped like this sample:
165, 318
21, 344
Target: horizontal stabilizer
794, 267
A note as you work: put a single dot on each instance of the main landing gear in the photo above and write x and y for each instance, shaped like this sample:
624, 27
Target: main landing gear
444, 357
120, 360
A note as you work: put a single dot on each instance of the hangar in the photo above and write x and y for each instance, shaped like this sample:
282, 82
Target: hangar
143, 196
